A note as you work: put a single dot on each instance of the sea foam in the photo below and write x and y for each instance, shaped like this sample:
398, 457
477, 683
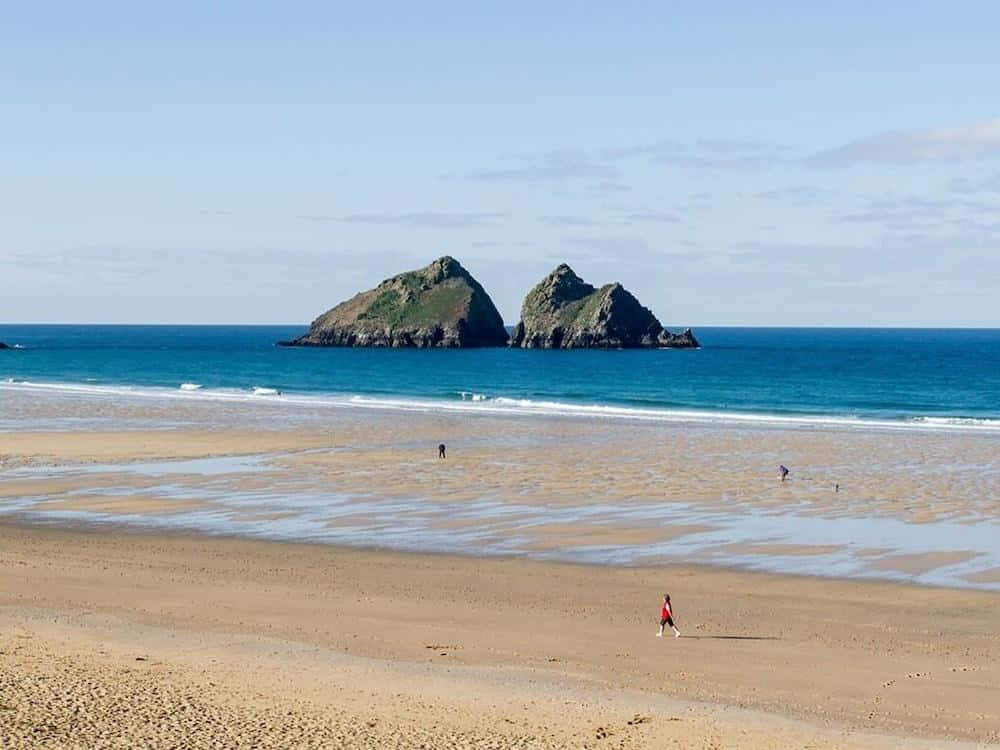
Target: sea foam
260, 391
475, 403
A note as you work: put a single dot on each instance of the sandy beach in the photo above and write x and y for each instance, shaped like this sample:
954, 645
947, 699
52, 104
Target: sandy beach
136, 611
134, 639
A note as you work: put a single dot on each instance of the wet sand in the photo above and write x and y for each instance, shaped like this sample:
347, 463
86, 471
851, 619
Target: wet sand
916, 476
916, 506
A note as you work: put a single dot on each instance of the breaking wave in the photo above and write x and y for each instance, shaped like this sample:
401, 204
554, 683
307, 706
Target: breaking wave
471, 403
260, 391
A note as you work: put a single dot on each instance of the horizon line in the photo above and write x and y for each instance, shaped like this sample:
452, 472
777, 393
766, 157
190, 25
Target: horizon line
766, 326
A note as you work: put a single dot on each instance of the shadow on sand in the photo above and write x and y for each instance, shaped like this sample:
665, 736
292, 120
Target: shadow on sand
731, 637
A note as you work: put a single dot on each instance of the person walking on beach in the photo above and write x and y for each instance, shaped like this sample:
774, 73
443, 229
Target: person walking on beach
783, 470
441, 450
667, 617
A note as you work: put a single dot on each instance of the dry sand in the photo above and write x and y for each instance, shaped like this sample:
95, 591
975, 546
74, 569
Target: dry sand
111, 639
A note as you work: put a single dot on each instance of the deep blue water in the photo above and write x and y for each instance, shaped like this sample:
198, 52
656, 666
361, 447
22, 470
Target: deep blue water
884, 374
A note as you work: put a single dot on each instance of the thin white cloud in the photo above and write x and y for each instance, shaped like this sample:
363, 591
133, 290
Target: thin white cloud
141, 260
610, 247
610, 188
916, 212
707, 153
568, 221
418, 219
566, 165
977, 141
797, 194
553, 166
965, 185
662, 217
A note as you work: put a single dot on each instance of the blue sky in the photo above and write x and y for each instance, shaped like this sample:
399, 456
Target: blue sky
255, 163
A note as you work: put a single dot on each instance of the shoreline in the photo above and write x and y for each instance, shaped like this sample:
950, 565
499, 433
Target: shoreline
471, 404
835, 663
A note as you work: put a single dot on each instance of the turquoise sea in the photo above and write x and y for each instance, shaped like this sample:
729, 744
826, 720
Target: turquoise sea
940, 378
914, 376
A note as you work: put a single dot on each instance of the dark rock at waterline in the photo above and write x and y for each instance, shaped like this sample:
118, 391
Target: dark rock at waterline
3, 345
441, 305
683, 340
565, 312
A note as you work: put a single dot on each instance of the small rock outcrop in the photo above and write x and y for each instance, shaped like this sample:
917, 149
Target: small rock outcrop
3, 345
441, 305
683, 340
565, 312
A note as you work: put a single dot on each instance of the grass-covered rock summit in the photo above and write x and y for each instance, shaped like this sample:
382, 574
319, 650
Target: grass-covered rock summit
565, 312
441, 305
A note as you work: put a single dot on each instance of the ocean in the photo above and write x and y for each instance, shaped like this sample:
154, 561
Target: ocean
906, 377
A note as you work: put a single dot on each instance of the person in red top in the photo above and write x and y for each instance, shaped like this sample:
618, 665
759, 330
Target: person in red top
667, 617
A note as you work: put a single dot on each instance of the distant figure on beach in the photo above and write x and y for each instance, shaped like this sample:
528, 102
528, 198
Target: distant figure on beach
836, 488
441, 451
783, 470
667, 617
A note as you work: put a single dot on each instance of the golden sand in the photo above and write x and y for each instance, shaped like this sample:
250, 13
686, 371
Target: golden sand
126, 640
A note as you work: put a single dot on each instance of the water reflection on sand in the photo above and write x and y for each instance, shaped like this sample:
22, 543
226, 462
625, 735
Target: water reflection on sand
915, 505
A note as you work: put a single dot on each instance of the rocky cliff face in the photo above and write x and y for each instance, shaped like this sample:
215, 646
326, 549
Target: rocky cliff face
565, 312
441, 305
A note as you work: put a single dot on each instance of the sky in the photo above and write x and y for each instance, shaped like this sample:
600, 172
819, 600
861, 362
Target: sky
730, 163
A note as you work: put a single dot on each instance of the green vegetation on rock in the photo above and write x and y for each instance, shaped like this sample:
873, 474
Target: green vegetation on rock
565, 312
441, 305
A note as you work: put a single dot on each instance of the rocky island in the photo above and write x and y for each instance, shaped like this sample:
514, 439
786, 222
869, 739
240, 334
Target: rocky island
441, 305
565, 312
